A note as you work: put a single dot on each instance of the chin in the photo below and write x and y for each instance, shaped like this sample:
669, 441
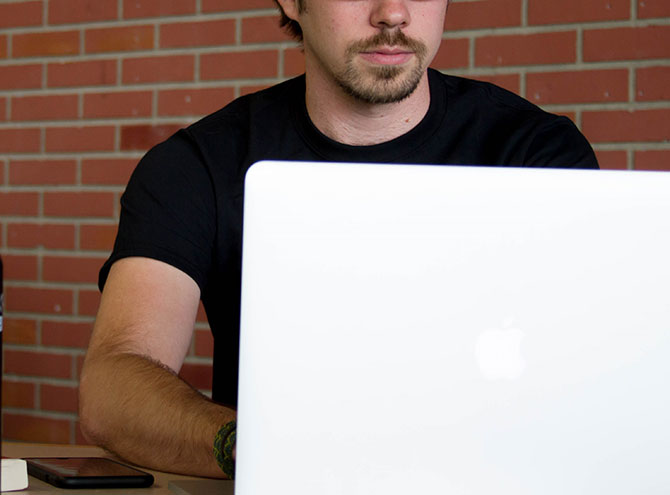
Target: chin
384, 84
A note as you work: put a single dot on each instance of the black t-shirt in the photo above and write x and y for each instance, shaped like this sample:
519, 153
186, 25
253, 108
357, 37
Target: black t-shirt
183, 204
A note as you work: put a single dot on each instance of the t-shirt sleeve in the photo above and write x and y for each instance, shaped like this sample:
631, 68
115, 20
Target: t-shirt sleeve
168, 211
560, 144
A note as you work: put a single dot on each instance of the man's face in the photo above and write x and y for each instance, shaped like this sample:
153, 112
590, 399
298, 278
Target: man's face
375, 50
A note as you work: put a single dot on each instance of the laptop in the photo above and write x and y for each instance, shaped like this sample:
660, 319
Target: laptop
454, 330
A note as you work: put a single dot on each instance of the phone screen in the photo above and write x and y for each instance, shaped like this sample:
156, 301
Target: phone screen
87, 472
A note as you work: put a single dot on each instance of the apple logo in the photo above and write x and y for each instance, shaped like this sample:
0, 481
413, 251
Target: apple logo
498, 353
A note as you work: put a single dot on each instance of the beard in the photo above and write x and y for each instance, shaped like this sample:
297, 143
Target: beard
382, 83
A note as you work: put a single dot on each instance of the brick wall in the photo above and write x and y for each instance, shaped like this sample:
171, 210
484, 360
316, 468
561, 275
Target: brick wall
86, 86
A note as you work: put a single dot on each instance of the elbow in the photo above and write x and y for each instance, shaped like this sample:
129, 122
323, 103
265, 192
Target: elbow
88, 429
87, 422
87, 425
91, 410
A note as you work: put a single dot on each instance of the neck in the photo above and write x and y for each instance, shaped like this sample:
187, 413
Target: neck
348, 120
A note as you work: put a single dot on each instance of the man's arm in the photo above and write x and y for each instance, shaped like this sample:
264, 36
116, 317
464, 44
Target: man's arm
131, 400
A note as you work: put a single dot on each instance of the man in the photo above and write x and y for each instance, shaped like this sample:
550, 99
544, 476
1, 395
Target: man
366, 96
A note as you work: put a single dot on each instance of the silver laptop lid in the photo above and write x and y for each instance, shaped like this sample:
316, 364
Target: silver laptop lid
463, 330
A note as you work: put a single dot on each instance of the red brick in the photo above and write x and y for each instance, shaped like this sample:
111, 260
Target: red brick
21, 76
19, 331
19, 203
87, 73
72, 11
50, 236
143, 137
26, 428
193, 101
51, 107
577, 86
107, 171
28, 299
3, 46
41, 172
118, 104
262, 30
483, 14
652, 84
95, 138
528, 49
510, 82
79, 204
18, 394
20, 140
37, 364
3, 115
18, 14
89, 300
652, 160
612, 159
622, 126
204, 343
157, 8
45, 44
66, 334
59, 398
452, 53
119, 39
76, 269
19, 267
233, 5
97, 237
627, 43
294, 62
198, 376
203, 33
548, 12
2, 181
653, 8
239, 65
177, 68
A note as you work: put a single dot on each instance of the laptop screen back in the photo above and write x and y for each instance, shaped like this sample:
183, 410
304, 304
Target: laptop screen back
465, 330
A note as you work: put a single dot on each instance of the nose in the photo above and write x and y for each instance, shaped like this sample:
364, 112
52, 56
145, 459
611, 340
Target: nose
388, 14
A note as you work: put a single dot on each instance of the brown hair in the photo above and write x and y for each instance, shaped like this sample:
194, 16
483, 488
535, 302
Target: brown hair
289, 25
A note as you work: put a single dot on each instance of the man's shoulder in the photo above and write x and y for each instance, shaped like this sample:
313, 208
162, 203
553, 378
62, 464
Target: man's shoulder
479, 93
228, 134
507, 128
265, 103
483, 104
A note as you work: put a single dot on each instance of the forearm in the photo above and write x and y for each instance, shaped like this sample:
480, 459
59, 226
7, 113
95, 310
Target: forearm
144, 413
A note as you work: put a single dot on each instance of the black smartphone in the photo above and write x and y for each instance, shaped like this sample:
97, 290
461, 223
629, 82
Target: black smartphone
87, 472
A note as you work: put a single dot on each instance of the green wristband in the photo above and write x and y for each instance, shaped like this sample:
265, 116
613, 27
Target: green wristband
224, 442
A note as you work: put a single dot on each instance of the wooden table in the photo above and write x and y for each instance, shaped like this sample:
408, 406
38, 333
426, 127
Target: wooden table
164, 483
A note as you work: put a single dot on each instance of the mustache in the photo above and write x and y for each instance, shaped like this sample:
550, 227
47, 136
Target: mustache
389, 38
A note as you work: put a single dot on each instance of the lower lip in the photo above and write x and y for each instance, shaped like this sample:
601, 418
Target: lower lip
381, 58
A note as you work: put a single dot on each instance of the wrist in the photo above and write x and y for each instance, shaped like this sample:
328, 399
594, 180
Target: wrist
224, 448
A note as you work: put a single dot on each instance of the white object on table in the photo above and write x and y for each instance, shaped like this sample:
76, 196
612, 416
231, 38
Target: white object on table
14, 475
